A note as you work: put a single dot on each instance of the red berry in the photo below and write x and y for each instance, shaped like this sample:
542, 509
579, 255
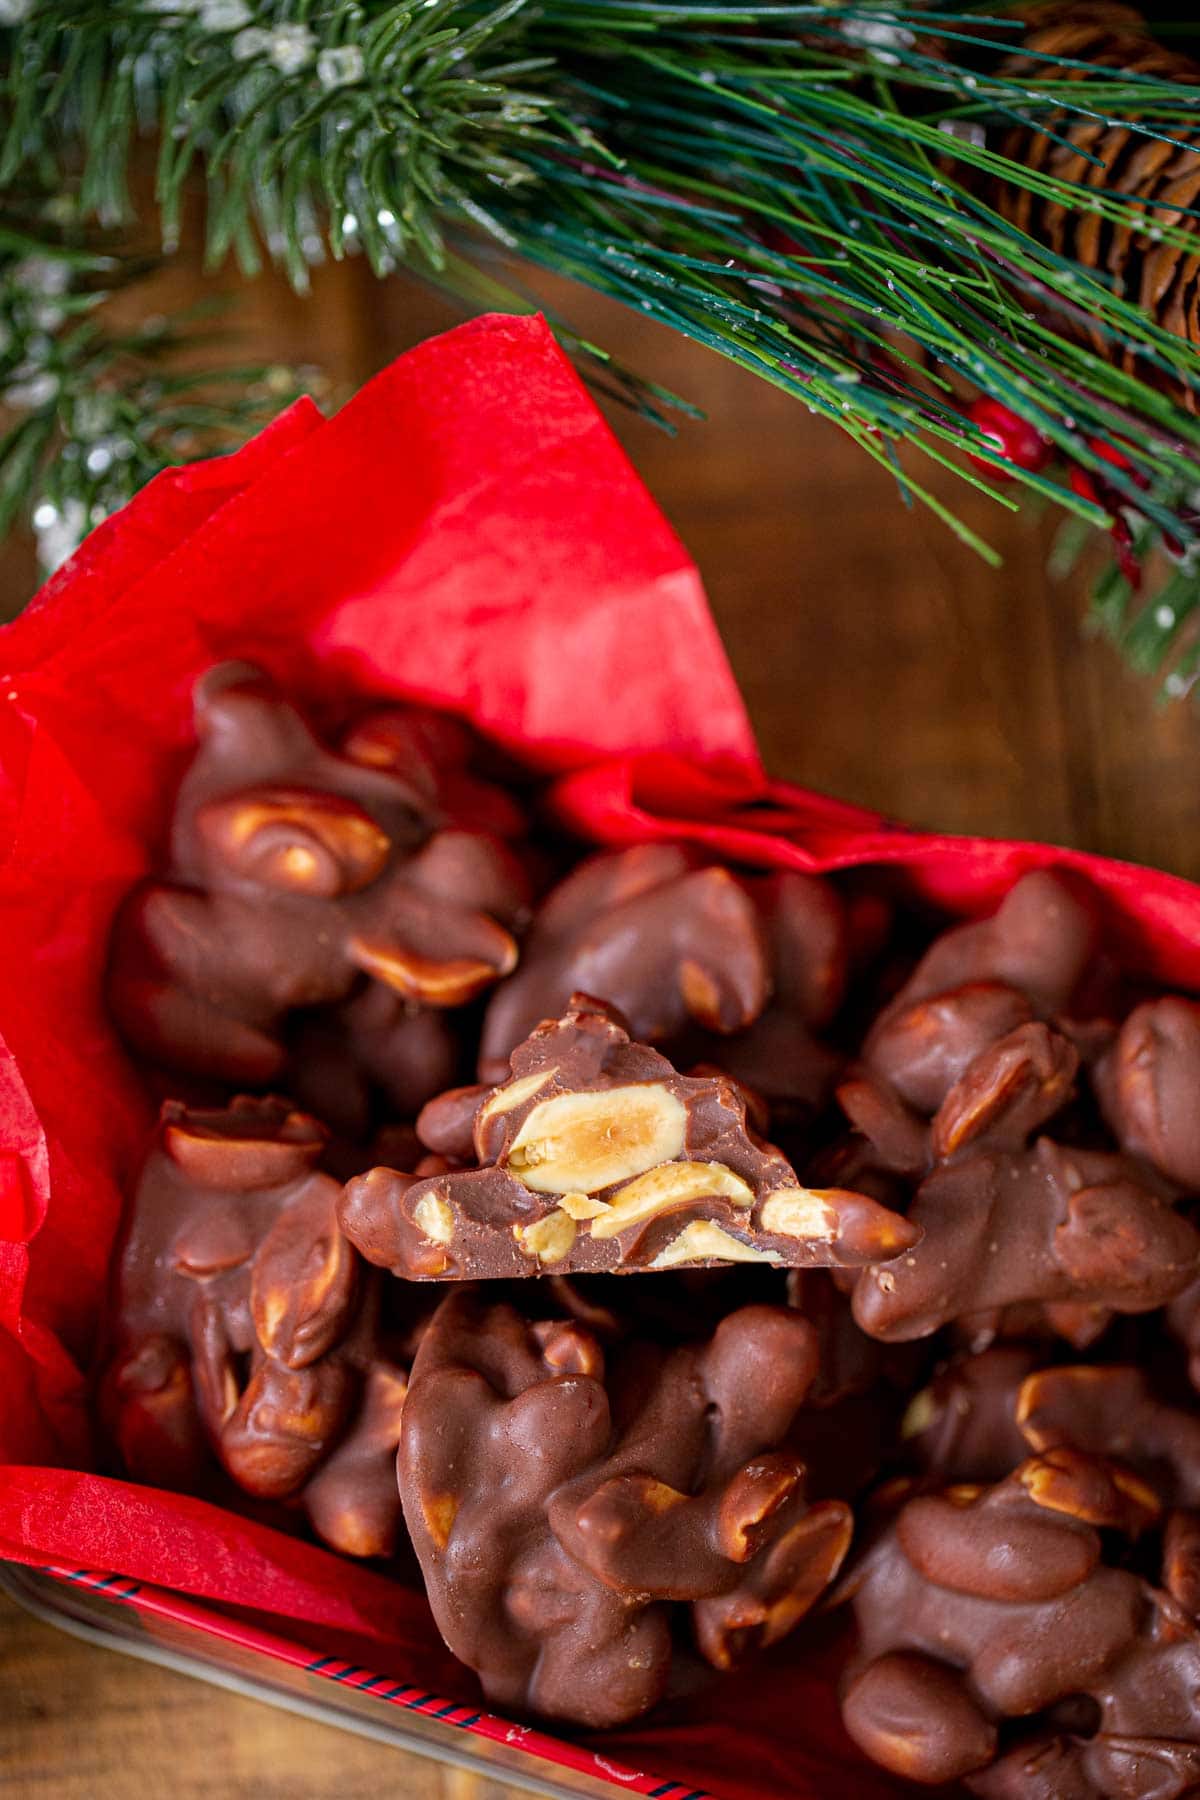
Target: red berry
1083, 483
1127, 560
1109, 453
1015, 438
1117, 459
1088, 487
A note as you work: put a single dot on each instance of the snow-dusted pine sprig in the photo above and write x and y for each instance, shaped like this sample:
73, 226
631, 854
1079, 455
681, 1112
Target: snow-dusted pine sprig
90, 411
805, 189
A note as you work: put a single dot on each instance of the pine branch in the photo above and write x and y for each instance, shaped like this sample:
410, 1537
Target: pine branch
319, 125
802, 188
88, 412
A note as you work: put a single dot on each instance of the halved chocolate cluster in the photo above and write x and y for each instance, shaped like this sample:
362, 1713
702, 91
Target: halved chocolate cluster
597, 1155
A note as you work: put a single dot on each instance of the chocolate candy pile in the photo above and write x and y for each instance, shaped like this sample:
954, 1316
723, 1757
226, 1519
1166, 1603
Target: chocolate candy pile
666, 1250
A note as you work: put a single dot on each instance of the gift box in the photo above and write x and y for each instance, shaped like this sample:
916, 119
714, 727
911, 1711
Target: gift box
468, 534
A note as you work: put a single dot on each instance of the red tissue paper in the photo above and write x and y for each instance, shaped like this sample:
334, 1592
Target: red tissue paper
466, 533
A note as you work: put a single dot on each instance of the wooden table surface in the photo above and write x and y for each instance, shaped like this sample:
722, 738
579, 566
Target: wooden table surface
881, 661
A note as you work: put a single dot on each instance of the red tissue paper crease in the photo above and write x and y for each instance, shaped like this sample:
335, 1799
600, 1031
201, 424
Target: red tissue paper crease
468, 533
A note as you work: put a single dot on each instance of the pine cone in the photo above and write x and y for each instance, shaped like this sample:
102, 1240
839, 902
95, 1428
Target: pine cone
1163, 279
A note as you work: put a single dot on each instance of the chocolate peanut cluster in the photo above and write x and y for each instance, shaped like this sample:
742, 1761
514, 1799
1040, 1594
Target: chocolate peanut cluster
249, 1337
738, 970
994, 1604
974, 1088
323, 910
1001, 1640
569, 1498
909, 1317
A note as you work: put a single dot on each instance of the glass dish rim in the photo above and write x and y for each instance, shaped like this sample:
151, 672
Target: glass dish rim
452, 1732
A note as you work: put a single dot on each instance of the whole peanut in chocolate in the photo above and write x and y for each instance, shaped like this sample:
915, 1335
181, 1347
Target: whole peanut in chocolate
597, 1155
972, 1052
303, 880
1149, 1084
1038, 943
575, 1507
246, 1332
1113, 1411
981, 1415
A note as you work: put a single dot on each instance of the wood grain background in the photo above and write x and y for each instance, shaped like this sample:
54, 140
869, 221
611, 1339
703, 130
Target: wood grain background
882, 662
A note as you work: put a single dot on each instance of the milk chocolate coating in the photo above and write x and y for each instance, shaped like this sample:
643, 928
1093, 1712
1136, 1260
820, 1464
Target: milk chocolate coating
1108, 1765
596, 1155
574, 1508
1046, 1224
653, 932
299, 877
735, 970
963, 1426
245, 1328
850, 1362
1183, 1323
984, 1414
1181, 1559
921, 1047
983, 1606
851, 1423
779, 1056
1039, 943
1113, 1411
1150, 1084
971, 1060
972, 1053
